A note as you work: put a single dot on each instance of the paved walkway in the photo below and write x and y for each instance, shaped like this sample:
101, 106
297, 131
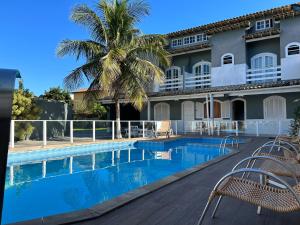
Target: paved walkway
182, 202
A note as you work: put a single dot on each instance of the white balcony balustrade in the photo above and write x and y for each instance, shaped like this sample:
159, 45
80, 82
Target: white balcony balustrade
264, 75
188, 81
172, 84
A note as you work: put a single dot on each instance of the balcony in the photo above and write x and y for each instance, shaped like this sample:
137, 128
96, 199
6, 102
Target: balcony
186, 81
263, 75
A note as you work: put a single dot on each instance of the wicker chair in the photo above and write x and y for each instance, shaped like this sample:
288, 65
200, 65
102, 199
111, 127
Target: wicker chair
279, 199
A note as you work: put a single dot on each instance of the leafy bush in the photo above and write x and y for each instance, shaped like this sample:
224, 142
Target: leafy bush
295, 123
24, 108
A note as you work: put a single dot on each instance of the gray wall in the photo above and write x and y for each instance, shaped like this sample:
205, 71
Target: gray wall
255, 105
54, 110
228, 42
187, 61
290, 32
266, 46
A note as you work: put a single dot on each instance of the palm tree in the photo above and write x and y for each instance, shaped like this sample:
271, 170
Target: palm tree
120, 61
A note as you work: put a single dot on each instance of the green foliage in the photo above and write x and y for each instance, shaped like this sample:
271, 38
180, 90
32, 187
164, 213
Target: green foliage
120, 61
57, 94
24, 108
99, 110
295, 123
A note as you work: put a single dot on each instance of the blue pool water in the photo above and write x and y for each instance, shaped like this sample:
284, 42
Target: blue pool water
48, 182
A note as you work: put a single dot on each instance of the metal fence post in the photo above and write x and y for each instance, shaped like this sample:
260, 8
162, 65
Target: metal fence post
257, 131
94, 130
12, 134
71, 132
279, 127
113, 130
44, 132
143, 129
129, 129
176, 127
219, 128
201, 127
236, 128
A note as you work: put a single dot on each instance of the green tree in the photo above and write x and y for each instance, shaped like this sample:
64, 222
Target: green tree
99, 110
120, 61
24, 108
57, 94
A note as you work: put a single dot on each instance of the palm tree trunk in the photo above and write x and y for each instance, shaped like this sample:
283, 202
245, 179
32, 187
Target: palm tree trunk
118, 122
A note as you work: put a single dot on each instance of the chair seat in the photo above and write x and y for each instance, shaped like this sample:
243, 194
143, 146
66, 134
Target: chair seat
276, 199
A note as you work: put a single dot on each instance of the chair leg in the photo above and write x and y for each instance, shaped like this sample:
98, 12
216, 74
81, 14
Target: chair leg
204, 211
216, 207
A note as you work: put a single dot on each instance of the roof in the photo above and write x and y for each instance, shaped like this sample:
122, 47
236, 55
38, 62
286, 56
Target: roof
80, 90
230, 88
241, 21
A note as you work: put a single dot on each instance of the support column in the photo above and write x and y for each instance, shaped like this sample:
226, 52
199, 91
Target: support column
211, 99
148, 110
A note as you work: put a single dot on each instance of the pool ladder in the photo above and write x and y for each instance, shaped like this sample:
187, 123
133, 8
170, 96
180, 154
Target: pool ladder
234, 141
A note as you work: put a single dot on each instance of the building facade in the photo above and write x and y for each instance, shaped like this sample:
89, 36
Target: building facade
248, 66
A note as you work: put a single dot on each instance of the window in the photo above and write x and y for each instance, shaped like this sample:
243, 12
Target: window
264, 24
186, 40
192, 39
201, 68
201, 37
263, 60
179, 42
174, 43
227, 59
274, 108
171, 74
292, 49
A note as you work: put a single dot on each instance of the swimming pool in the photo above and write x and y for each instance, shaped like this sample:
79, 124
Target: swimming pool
47, 182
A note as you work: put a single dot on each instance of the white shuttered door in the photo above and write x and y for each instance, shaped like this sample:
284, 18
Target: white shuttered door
162, 111
274, 108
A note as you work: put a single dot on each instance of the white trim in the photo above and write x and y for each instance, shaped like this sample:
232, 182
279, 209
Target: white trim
263, 55
223, 56
288, 45
272, 90
264, 22
245, 106
201, 63
191, 51
263, 38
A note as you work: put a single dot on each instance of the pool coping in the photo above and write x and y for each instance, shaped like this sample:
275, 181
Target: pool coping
101, 209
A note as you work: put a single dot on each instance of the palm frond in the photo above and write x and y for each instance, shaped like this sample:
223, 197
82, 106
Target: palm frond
88, 49
138, 9
82, 14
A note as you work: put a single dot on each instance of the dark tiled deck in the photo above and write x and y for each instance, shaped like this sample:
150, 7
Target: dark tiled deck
182, 202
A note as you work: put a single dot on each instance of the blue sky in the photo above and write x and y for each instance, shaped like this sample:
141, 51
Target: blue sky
32, 29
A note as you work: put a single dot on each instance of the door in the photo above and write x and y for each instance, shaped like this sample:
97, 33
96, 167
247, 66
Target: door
188, 114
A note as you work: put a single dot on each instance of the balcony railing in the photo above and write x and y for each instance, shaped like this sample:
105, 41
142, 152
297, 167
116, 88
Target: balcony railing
197, 81
264, 75
188, 81
172, 84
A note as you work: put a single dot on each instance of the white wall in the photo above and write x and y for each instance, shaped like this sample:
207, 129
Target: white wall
290, 67
228, 75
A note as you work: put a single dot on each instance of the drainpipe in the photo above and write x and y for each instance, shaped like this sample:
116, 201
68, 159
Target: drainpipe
7, 85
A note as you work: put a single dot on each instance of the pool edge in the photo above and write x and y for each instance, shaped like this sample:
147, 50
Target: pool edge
122, 200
